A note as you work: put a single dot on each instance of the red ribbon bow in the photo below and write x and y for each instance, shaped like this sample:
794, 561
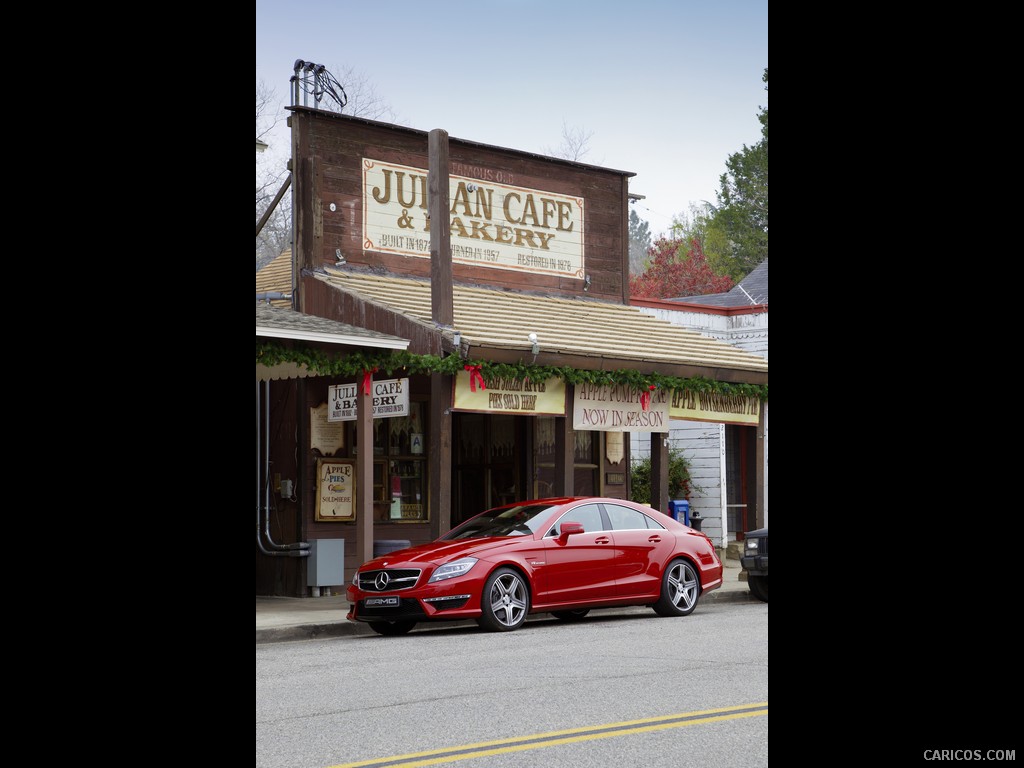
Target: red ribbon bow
367, 378
645, 397
474, 377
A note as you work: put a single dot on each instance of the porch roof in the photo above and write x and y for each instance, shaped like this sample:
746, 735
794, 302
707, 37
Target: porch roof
582, 333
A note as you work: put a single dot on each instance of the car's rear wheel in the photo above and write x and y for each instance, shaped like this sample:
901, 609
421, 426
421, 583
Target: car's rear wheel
758, 587
680, 589
505, 602
575, 615
392, 627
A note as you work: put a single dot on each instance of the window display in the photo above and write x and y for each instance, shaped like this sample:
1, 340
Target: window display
400, 467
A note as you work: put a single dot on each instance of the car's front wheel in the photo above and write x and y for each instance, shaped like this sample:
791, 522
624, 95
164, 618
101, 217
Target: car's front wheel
392, 627
505, 602
758, 587
680, 589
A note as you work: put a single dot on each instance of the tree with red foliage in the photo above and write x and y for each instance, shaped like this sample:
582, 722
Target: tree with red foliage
671, 275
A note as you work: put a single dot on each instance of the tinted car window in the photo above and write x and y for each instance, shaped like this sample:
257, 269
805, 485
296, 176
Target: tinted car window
511, 521
625, 519
588, 515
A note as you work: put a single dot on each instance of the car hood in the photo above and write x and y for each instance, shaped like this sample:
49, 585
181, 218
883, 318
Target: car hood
760, 533
437, 552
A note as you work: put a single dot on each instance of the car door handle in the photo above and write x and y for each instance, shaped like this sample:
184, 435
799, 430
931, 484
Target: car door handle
603, 540
655, 538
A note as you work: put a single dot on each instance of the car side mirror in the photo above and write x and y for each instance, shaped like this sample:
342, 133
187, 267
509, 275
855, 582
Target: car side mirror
569, 528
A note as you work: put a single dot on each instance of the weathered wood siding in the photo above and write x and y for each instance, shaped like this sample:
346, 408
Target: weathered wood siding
279, 575
332, 173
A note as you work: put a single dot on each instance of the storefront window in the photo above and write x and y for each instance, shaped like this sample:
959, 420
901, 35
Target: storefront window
585, 460
400, 467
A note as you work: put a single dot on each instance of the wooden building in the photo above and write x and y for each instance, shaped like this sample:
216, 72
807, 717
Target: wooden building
525, 367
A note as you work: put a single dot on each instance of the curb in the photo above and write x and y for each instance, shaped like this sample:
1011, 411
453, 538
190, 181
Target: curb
307, 632
347, 628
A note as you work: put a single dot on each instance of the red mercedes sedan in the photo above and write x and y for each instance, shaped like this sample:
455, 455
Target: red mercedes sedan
562, 556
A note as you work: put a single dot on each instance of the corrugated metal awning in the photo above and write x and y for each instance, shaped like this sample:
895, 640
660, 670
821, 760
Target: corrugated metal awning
582, 333
281, 323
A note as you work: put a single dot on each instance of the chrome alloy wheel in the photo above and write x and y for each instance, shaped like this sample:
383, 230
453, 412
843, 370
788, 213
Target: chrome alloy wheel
508, 599
682, 584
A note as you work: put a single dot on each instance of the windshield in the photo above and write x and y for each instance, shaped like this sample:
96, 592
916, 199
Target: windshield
505, 521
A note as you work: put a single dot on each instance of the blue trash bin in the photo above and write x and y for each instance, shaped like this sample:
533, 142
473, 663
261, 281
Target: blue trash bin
680, 510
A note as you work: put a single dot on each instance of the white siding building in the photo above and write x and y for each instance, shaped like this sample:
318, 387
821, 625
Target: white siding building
720, 455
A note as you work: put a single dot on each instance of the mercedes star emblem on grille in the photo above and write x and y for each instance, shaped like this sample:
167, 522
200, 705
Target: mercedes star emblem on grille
381, 582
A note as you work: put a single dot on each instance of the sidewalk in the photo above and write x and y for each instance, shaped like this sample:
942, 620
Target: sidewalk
279, 619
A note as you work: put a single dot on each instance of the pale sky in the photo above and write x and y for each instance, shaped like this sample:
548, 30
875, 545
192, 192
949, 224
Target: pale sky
667, 88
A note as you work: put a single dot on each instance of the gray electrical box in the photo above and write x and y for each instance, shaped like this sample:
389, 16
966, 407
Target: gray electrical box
325, 566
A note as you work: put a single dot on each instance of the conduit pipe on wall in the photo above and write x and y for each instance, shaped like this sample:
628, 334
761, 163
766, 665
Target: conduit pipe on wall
268, 296
298, 548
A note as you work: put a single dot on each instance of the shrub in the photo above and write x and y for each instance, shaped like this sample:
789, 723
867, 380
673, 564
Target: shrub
679, 482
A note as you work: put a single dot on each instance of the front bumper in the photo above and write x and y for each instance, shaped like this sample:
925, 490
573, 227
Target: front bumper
407, 609
433, 603
755, 565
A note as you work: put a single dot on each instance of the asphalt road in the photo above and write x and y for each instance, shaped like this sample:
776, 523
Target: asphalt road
613, 690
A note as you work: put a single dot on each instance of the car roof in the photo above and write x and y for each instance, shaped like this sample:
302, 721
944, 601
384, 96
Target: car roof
569, 500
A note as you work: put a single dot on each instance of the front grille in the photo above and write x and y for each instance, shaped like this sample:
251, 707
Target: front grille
762, 546
406, 610
396, 579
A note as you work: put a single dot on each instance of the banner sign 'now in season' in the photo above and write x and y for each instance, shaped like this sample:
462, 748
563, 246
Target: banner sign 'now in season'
710, 406
500, 395
620, 408
493, 223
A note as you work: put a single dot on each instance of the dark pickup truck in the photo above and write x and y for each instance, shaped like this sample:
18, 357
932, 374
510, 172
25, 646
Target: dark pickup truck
754, 561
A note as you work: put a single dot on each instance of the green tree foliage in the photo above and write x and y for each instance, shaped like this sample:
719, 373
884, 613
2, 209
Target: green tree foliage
671, 274
741, 217
679, 481
639, 242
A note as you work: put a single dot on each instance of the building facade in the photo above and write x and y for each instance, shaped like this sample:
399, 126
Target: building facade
526, 367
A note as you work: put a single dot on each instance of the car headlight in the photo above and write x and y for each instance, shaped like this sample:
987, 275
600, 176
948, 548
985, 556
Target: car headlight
750, 546
453, 569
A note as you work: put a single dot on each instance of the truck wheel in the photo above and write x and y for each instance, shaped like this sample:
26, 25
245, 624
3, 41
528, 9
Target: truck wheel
758, 587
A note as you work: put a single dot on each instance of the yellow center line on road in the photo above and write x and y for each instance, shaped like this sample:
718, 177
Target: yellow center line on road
555, 738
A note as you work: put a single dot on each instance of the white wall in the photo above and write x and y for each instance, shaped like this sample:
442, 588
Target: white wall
749, 332
698, 442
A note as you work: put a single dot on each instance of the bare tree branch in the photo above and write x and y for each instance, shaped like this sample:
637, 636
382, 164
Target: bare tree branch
363, 99
574, 144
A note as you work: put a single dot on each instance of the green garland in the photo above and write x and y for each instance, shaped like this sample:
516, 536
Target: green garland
352, 365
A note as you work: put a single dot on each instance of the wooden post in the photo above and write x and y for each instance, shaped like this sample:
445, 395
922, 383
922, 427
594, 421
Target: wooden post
440, 464
442, 311
565, 458
761, 471
364, 474
659, 471
441, 301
